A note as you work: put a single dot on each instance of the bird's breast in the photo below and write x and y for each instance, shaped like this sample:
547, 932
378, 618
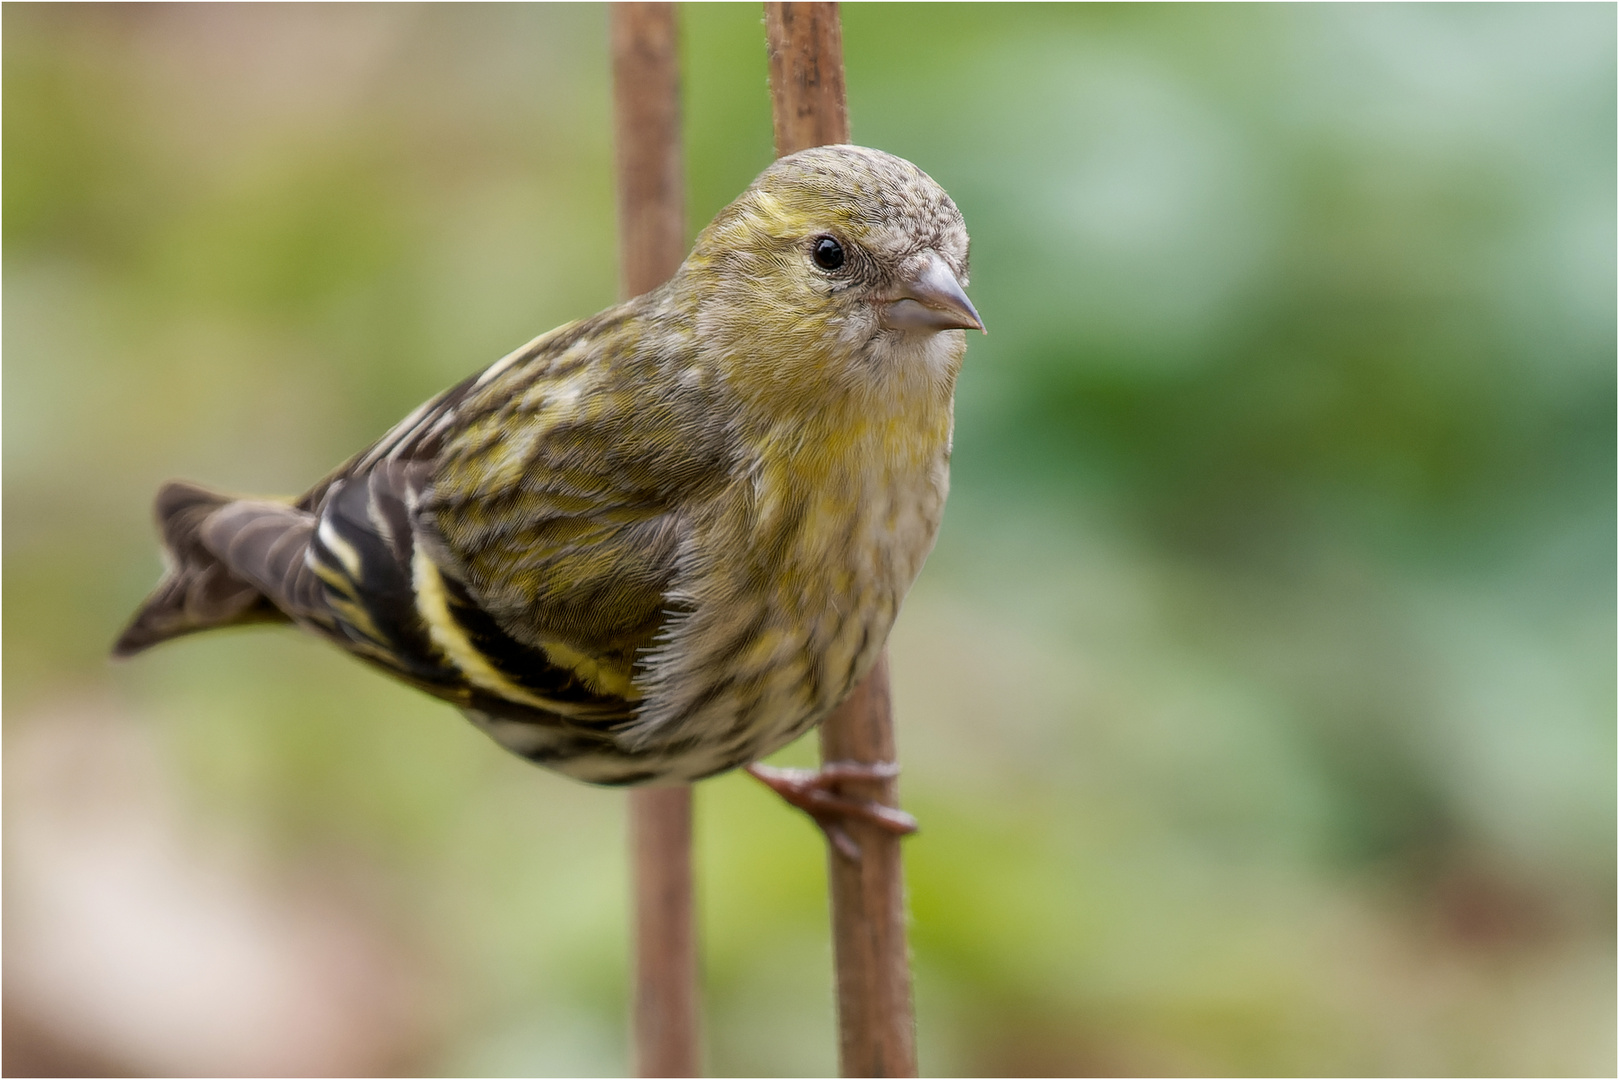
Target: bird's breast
807, 558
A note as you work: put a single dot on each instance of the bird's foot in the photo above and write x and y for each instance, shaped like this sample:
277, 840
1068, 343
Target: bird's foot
811, 791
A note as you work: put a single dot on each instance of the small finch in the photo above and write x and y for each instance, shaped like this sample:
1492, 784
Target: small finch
654, 544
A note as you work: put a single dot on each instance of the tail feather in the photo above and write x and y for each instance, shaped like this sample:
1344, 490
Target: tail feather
197, 592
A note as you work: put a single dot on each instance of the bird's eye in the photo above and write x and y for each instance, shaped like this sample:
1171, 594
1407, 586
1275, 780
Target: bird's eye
828, 253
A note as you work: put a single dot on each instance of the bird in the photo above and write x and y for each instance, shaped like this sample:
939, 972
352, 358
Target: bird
655, 544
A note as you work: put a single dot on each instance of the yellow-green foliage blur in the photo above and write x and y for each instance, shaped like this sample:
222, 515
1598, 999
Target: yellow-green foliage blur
1258, 701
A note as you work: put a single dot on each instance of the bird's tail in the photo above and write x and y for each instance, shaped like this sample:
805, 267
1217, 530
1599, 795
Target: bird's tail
197, 592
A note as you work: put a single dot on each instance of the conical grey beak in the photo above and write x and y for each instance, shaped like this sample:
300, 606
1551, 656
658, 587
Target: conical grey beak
931, 300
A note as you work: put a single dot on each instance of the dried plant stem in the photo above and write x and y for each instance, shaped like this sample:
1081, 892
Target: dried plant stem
652, 242
666, 1020
876, 1022
876, 1025
808, 103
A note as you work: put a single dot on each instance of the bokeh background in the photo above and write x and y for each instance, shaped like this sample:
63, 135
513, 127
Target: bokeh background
1258, 701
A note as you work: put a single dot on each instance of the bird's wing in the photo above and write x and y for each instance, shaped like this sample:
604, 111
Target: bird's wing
561, 492
513, 543
342, 568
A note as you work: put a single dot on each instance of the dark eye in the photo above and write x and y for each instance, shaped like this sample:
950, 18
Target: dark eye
828, 253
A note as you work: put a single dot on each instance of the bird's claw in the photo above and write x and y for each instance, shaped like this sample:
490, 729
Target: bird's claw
810, 791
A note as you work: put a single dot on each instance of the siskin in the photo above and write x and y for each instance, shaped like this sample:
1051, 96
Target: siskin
654, 544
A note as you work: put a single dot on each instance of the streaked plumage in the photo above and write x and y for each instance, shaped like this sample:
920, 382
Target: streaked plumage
657, 543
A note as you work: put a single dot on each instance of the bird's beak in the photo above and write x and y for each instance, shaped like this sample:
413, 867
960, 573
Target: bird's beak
931, 300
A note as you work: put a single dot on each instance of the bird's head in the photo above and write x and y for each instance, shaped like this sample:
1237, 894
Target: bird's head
839, 265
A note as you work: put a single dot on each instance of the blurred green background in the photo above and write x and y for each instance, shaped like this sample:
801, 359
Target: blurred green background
1258, 701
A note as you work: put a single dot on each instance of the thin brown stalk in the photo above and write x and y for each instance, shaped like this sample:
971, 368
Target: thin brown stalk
808, 104
876, 1024
666, 1021
652, 241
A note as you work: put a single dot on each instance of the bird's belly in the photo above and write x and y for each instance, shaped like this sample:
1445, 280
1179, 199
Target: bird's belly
797, 615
